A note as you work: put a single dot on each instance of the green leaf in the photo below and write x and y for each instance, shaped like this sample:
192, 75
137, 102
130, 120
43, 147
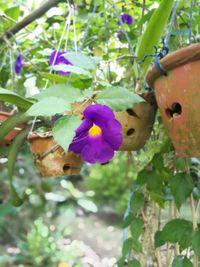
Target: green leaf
72, 69
196, 242
127, 220
120, 262
158, 239
181, 187
64, 130
13, 98
49, 107
127, 246
181, 261
153, 32
178, 230
137, 246
54, 77
80, 60
136, 228
137, 202
67, 92
118, 98
134, 263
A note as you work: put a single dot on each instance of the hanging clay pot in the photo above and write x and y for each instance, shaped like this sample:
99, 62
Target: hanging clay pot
11, 135
178, 98
50, 159
137, 122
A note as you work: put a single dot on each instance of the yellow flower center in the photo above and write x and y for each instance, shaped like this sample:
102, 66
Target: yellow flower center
63, 264
95, 130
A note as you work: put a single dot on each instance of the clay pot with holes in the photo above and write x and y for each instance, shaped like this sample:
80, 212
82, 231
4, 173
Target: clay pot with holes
11, 135
136, 123
50, 159
178, 98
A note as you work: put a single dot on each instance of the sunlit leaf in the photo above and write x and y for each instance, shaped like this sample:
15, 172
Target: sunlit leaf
49, 106
64, 130
67, 92
118, 98
80, 60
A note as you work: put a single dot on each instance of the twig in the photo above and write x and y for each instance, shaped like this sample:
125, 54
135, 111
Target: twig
28, 19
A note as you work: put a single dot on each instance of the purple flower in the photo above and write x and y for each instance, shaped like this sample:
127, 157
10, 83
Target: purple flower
98, 136
119, 34
19, 63
126, 18
57, 58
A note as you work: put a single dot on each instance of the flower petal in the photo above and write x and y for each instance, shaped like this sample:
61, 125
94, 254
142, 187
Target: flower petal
112, 133
57, 58
78, 143
84, 127
97, 150
126, 18
18, 63
54, 58
99, 114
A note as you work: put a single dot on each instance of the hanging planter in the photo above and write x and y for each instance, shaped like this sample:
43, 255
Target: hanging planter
50, 159
178, 98
11, 135
137, 122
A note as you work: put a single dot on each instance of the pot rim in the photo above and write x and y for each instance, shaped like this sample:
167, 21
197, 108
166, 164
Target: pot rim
5, 113
174, 60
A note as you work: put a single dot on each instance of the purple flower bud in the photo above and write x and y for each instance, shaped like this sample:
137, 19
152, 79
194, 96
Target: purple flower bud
98, 136
126, 18
57, 58
19, 63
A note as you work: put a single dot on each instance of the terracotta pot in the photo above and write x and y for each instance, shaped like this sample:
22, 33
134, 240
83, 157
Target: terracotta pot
11, 135
50, 159
136, 123
178, 98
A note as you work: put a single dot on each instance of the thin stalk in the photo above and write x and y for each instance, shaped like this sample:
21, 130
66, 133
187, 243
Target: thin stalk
193, 212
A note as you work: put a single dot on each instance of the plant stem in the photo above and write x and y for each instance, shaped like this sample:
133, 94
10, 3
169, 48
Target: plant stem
194, 224
193, 211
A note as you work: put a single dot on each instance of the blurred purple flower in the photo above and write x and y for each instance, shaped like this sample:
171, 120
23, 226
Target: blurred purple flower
98, 136
126, 18
57, 58
119, 34
19, 63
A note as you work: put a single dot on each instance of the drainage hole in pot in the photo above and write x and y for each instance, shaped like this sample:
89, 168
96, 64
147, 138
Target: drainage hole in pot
132, 112
66, 167
130, 131
175, 110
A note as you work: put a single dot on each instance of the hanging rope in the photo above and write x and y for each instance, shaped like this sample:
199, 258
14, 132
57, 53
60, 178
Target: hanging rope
166, 40
165, 49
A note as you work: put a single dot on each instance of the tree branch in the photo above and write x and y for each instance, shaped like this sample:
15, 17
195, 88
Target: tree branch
28, 19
